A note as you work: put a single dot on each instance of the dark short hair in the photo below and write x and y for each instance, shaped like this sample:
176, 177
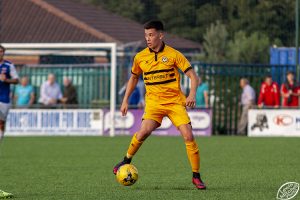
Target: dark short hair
268, 76
2, 47
156, 24
290, 72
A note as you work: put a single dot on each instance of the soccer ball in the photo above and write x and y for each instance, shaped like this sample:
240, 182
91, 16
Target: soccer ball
127, 175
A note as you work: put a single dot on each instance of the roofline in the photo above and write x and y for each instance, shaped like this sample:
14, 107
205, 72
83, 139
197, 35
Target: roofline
57, 45
74, 21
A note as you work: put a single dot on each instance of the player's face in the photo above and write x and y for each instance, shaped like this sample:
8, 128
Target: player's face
153, 38
1, 54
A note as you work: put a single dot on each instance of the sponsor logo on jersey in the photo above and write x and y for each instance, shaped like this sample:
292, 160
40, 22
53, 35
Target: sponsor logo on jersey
164, 59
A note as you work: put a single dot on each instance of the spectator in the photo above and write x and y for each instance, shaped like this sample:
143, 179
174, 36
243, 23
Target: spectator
202, 94
50, 92
290, 91
70, 93
141, 86
24, 93
134, 98
247, 100
269, 93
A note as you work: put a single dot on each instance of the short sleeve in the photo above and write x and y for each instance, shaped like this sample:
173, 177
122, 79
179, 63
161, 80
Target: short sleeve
205, 89
182, 63
17, 90
13, 72
31, 89
135, 69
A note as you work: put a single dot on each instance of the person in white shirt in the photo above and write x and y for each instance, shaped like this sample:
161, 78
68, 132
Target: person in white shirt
50, 92
247, 100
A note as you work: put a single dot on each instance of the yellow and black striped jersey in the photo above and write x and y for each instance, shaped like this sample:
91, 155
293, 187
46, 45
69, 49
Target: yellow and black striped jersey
160, 73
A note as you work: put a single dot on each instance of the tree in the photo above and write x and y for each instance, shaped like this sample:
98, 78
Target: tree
248, 49
215, 42
191, 18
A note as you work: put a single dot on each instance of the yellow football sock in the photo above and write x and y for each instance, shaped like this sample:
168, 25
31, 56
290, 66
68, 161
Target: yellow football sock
134, 146
193, 155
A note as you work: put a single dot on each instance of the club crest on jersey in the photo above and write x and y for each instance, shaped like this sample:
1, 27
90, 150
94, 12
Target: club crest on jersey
164, 59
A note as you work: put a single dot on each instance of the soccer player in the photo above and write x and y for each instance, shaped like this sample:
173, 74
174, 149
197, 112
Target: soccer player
159, 64
269, 94
8, 75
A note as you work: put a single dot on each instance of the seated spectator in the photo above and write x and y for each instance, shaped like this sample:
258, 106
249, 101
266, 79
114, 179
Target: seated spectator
269, 95
290, 91
50, 92
202, 94
24, 93
70, 93
141, 86
247, 100
134, 98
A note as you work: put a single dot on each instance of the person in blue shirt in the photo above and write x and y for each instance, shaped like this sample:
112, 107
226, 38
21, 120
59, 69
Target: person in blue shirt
202, 94
134, 98
24, 93
8, 75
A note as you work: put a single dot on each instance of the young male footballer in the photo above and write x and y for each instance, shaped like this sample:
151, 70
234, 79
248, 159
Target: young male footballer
159, 64
8, 75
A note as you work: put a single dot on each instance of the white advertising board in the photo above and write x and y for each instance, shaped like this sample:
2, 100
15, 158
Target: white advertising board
274, 122
54, 122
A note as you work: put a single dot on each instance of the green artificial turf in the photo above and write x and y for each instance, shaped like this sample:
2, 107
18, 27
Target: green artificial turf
81, 167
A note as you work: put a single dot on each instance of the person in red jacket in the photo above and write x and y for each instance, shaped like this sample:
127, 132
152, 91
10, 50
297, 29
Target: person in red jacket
269, 95
290, 91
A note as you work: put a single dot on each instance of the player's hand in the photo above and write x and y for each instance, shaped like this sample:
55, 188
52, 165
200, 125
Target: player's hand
2, 77
124, 108
190, 101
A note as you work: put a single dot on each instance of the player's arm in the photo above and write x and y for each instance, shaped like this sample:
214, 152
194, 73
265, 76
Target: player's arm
191, 99
133, 80
10, 81
13, 74
184, 65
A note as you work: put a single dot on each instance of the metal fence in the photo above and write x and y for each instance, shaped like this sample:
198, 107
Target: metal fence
93, 85
92, 81
225, 92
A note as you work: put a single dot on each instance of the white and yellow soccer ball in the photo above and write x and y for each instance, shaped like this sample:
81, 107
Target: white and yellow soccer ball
127, 174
